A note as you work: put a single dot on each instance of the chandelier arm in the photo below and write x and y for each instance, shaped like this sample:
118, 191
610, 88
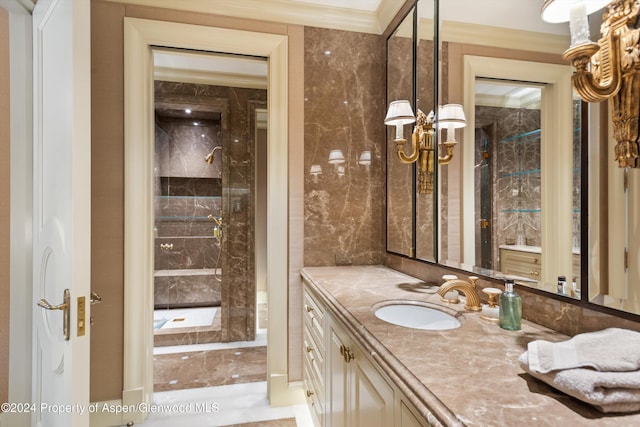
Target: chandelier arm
590, 88
404, 158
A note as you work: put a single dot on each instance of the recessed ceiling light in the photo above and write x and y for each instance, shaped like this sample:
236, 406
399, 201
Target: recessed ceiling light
327, 52
187, 110
196, 123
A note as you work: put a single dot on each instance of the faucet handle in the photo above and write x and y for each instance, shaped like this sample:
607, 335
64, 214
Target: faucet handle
493, 295
473, 280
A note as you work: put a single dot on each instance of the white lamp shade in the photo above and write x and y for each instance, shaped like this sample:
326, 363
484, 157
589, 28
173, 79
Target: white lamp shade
556, 11
315, 170
399, 113
336, 157
451, 116
365, 158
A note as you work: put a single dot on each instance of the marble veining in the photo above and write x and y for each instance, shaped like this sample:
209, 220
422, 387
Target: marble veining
464, 376
344, 110
189, 189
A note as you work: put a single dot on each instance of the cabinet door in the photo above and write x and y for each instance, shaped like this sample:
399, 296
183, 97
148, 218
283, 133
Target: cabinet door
371, 396
408, 418
338, 374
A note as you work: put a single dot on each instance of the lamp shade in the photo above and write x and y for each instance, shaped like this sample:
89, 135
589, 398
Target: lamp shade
399, 113
556, 11
365, 158
451, 116
315, 170
336, 157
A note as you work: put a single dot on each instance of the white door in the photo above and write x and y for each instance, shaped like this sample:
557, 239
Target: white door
61, 211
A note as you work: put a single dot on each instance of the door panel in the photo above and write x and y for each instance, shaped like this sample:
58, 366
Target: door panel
62, 211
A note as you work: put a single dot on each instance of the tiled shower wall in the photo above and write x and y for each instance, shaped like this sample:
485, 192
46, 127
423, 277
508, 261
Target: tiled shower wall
227, 192
514, 154
344, 110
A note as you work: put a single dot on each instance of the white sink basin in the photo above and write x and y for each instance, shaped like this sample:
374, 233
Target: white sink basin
416, 316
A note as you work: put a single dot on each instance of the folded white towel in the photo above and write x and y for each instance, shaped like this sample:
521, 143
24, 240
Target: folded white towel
607, 391
612, 350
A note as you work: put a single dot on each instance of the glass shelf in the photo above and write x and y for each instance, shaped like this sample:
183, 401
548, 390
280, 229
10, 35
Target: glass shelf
535, 132
528, 172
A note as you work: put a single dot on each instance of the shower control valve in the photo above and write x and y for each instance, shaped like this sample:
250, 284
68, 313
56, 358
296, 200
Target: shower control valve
166, 246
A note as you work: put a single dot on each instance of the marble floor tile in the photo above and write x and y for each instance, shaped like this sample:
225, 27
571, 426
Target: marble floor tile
177, 371
228, 405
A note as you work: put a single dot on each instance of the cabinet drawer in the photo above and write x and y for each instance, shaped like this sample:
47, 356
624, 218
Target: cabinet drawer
314, 399
313, 357
313, 315
518, 263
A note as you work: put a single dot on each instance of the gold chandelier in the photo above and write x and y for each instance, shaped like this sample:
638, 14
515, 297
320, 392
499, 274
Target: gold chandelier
608, 69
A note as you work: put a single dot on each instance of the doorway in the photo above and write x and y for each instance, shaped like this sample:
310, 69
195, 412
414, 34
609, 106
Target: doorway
209, 155
141, 37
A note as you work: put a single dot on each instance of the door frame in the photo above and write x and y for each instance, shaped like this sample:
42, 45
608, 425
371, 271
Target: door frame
141, 36
21, 206
557, 178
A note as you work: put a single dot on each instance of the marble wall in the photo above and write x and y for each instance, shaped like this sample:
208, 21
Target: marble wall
189, 189
512, 138
344, 110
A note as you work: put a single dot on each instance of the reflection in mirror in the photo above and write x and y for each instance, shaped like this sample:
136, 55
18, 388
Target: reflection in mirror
400, 85
518, 175
426, 101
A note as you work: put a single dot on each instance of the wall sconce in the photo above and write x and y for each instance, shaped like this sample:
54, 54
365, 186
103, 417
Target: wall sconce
336, 157
609, 68
422, 146
315, 171
450, 117
365, 158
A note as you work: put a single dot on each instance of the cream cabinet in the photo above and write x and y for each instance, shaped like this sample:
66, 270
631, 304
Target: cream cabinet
521, 263
344, 386
359, 394
528, 263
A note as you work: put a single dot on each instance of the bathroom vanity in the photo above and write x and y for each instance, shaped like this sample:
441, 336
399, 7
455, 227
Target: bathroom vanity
361, 370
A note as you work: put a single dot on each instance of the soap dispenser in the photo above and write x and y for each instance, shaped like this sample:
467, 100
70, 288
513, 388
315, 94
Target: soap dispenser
510, 310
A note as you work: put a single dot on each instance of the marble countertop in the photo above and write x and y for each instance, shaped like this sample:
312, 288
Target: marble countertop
465, 376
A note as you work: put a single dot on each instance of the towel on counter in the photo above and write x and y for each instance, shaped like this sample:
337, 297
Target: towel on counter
609, 350
607, 391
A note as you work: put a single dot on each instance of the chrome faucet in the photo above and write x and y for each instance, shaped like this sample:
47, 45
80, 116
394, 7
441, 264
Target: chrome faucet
467, 288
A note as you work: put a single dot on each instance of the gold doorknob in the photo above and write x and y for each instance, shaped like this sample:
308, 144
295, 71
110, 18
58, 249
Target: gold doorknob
66, 319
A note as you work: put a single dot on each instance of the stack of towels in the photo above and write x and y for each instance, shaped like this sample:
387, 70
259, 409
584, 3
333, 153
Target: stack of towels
600, 368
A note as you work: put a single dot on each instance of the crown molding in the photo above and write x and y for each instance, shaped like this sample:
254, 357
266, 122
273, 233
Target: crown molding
508, 38
208, 78
289, 12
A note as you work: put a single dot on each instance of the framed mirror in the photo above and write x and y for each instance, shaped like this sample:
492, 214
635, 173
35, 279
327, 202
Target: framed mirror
533, 190
411, 75
510, 199
401, 77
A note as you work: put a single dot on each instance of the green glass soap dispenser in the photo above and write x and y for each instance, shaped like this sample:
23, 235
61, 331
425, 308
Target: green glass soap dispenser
510, 311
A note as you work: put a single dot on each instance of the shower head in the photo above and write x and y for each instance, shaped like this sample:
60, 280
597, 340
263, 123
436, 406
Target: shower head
209, 157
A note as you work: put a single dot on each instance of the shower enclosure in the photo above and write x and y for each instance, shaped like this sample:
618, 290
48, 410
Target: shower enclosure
205, 246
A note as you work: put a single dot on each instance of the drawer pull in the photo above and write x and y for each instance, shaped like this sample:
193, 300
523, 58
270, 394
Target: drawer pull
346, 354
309, 393
309, 349
309, 309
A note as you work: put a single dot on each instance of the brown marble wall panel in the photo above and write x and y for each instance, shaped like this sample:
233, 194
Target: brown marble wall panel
223, 119
344, 110
514, 176
425, 203
399, 175
183, 288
